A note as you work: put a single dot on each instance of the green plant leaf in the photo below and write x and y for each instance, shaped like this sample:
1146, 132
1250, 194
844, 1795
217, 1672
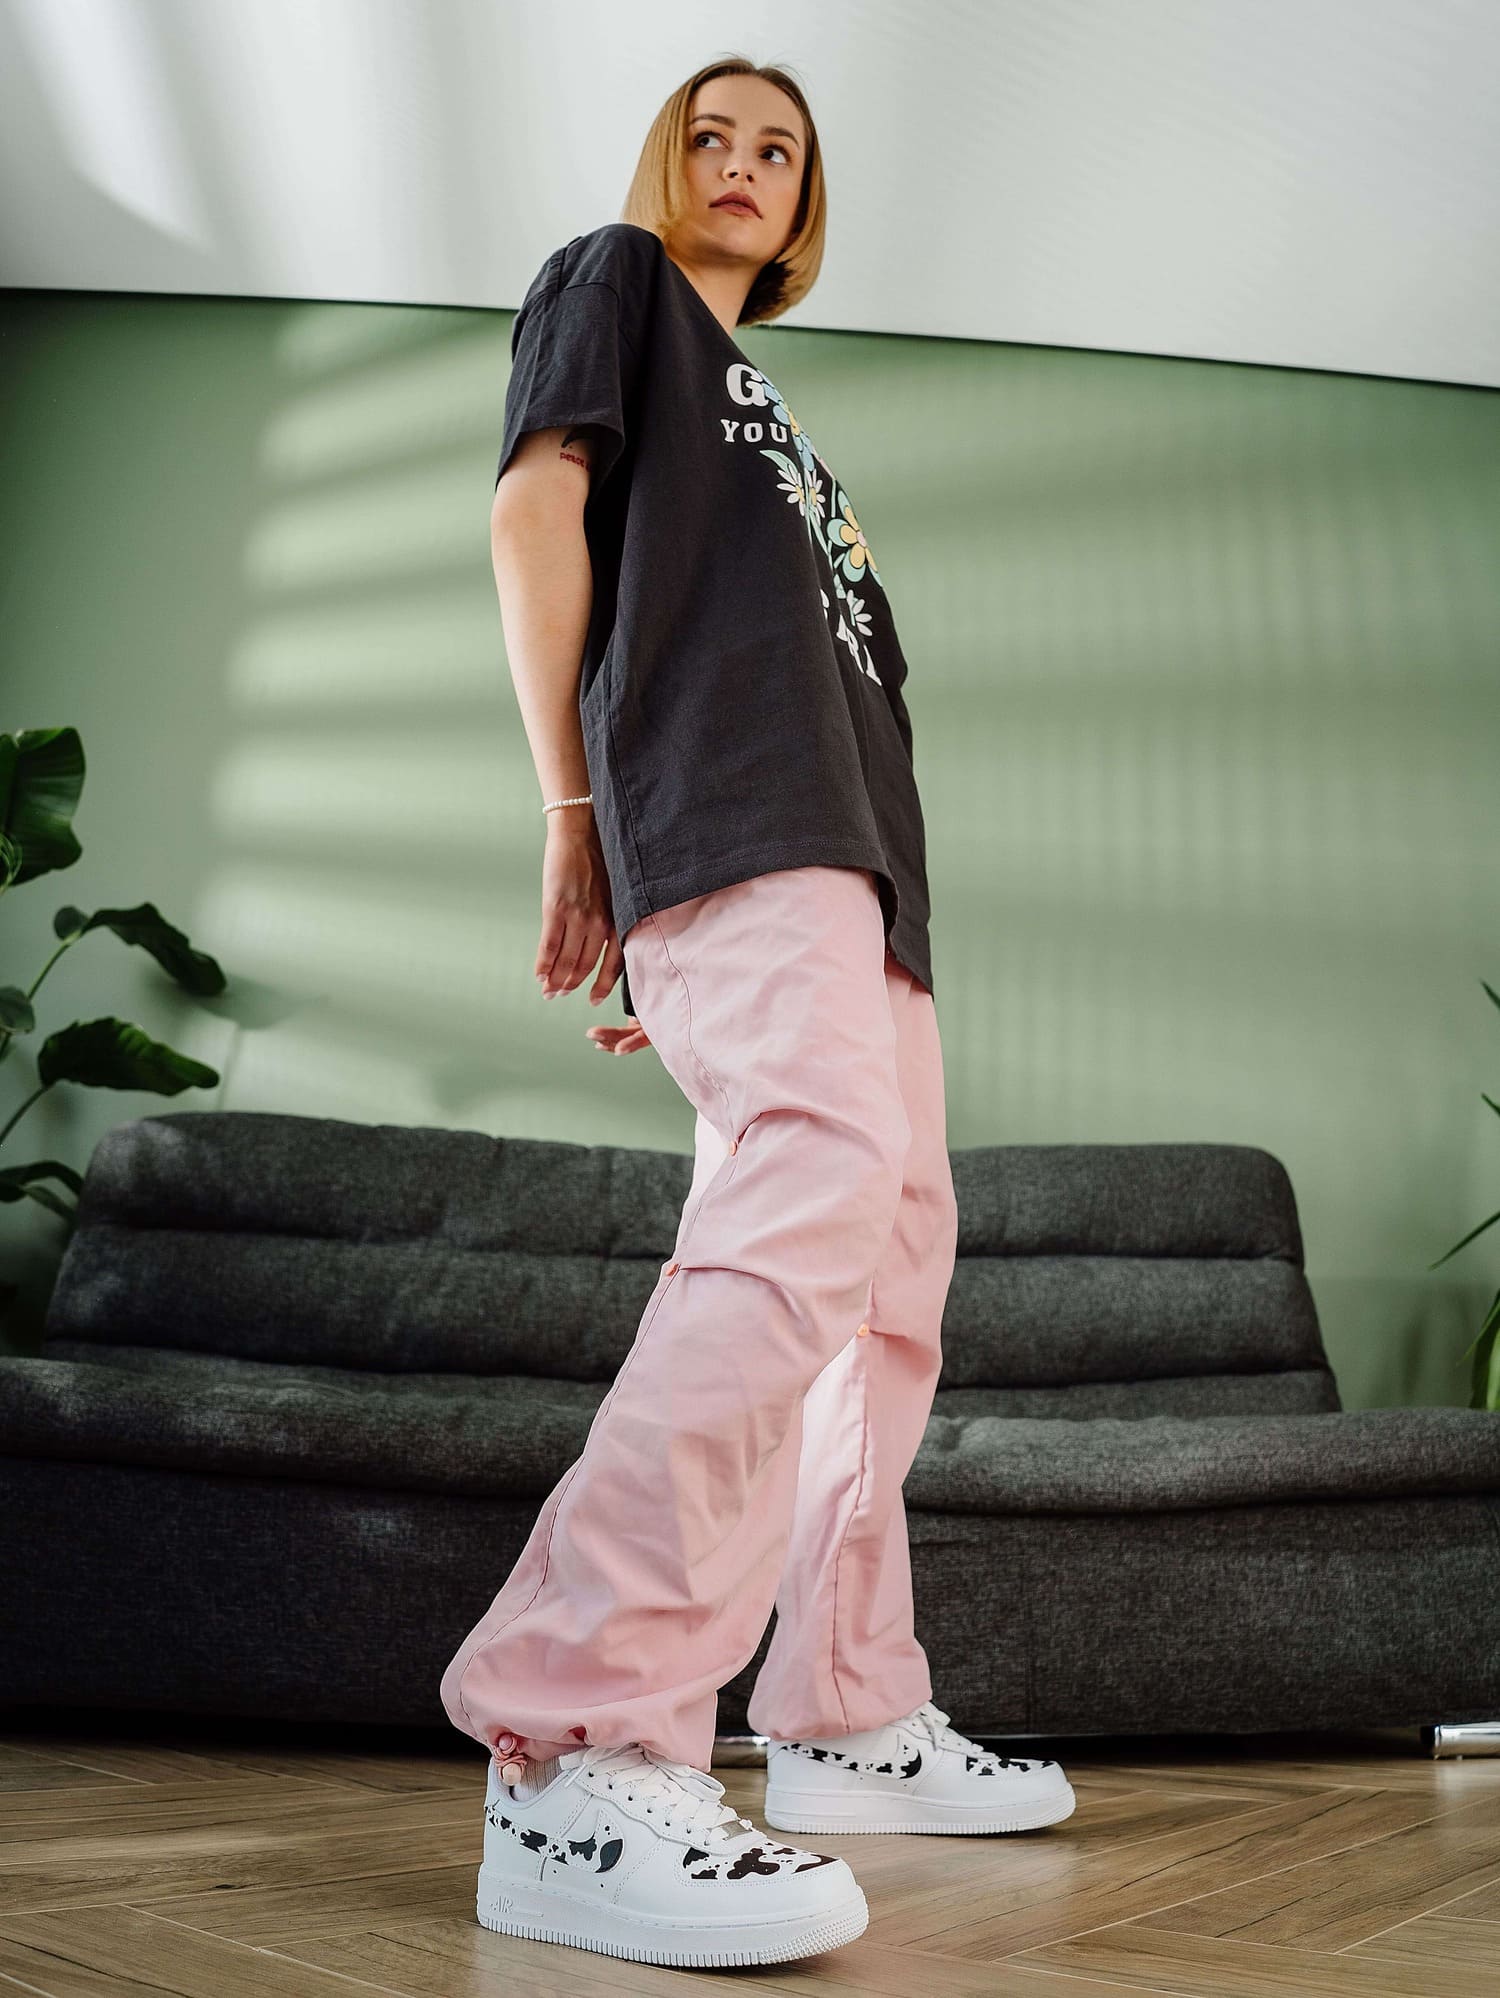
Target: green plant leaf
25, 1183
41, 777
117, 1054
1484, 1389
1467, 1238
145, 926
16, 1180
45, 1197
16, 1011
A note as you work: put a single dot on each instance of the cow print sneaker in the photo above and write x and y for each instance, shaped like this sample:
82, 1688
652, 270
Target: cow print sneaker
621, 1850
915, 1774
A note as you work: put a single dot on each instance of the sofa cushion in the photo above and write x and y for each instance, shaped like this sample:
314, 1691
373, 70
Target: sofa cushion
478, 1435
486, 1436
1163, 1463
311, 1241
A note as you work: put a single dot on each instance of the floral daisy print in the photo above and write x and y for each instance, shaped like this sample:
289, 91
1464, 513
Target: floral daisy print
833, 526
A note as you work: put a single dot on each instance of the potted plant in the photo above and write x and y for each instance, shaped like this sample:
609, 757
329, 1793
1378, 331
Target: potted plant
41, 777
1484, 1388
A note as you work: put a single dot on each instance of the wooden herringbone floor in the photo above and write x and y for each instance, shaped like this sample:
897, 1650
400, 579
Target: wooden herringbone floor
146, 1854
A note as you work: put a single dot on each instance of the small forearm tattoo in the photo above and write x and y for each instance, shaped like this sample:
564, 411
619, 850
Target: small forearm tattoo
581, 437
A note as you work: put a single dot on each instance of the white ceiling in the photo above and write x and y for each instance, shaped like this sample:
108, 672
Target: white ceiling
1302, 183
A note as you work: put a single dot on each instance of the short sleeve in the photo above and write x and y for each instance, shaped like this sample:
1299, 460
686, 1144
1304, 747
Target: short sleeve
571, 363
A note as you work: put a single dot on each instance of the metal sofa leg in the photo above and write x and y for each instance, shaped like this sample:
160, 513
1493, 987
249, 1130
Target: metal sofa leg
739, 1751
1462, 1738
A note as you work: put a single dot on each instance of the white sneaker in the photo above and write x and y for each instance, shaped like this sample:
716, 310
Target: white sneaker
915, 1774
626, 1852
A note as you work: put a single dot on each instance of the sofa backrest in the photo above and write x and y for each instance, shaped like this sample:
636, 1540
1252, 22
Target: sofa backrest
1091, 1279
1130, 1279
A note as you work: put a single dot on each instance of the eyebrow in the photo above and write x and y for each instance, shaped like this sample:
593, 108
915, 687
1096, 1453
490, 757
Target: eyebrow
722, 118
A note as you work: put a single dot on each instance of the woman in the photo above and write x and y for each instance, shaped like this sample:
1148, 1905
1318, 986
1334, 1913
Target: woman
710, 681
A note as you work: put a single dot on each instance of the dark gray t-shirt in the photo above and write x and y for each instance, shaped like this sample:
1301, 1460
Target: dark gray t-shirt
741, 683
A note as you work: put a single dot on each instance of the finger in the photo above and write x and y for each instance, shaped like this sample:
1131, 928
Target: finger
610, 967
569, 967
589, 948
554, 930
612, 1032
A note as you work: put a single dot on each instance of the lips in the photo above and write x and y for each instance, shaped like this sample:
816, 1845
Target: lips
740, 202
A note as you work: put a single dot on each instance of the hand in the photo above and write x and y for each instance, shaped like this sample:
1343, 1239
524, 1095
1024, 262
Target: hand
629, 1039
577, 924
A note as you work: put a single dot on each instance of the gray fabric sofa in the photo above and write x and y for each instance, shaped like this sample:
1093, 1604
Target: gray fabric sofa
306, 1383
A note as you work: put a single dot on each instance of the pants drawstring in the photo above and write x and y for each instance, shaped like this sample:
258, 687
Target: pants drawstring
510, 1756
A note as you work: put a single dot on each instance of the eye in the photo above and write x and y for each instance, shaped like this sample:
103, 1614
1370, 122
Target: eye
786, 156
707, 135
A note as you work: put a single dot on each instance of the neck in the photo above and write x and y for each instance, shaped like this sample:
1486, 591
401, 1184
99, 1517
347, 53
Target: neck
722, 287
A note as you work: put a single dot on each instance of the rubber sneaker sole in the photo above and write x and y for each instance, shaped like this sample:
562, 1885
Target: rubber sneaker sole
552, 1915
832, 1813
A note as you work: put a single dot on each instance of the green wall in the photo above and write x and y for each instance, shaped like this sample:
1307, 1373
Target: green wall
1206, 703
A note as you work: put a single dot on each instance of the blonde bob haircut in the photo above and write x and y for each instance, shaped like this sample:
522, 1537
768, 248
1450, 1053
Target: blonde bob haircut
657, 198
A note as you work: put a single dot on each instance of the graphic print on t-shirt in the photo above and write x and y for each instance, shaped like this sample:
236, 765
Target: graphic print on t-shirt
834, 531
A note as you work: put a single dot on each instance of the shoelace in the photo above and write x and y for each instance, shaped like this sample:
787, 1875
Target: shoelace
933, 1722
692, 1795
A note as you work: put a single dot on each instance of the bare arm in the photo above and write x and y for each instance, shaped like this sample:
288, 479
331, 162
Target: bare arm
546, 588
544, 580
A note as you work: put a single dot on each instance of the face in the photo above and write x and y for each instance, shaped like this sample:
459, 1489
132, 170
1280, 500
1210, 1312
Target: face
747, 138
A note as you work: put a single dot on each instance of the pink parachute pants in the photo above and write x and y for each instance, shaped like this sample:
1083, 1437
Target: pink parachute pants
752, 1448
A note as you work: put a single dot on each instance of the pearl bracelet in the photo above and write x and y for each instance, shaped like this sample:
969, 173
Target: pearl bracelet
557, 802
